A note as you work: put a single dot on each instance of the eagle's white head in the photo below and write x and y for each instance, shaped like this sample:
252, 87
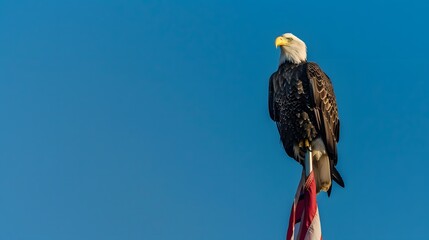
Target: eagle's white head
292, 49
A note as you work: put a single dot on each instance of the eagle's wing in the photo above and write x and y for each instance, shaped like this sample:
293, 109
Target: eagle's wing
326, 112
271, 105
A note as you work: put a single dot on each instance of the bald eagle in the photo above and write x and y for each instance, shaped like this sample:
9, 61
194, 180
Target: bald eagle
302, 103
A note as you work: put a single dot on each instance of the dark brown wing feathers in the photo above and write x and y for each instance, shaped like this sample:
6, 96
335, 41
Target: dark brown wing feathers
326, 105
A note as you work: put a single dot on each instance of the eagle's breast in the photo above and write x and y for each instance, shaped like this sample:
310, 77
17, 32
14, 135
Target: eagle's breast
296, 120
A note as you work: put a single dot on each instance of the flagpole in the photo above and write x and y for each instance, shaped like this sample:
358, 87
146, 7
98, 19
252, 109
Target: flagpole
308, 161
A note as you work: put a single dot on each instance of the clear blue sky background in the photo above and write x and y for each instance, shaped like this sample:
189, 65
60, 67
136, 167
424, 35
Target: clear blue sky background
148, 119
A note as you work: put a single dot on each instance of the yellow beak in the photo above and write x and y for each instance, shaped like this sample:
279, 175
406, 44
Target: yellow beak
280, 41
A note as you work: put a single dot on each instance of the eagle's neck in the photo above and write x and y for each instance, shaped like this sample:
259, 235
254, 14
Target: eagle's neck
293, 56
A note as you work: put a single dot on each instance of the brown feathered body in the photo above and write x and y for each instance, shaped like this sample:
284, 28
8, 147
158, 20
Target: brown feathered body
303, 105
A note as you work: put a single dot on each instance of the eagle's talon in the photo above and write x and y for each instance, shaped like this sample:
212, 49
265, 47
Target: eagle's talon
307, 144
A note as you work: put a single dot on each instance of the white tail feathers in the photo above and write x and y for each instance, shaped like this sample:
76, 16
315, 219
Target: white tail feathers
321, 166
322, 173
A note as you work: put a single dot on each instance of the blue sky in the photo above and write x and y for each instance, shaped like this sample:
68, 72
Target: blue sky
149, 120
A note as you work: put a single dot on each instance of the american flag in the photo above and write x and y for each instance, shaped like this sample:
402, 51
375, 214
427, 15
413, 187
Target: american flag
305, 211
